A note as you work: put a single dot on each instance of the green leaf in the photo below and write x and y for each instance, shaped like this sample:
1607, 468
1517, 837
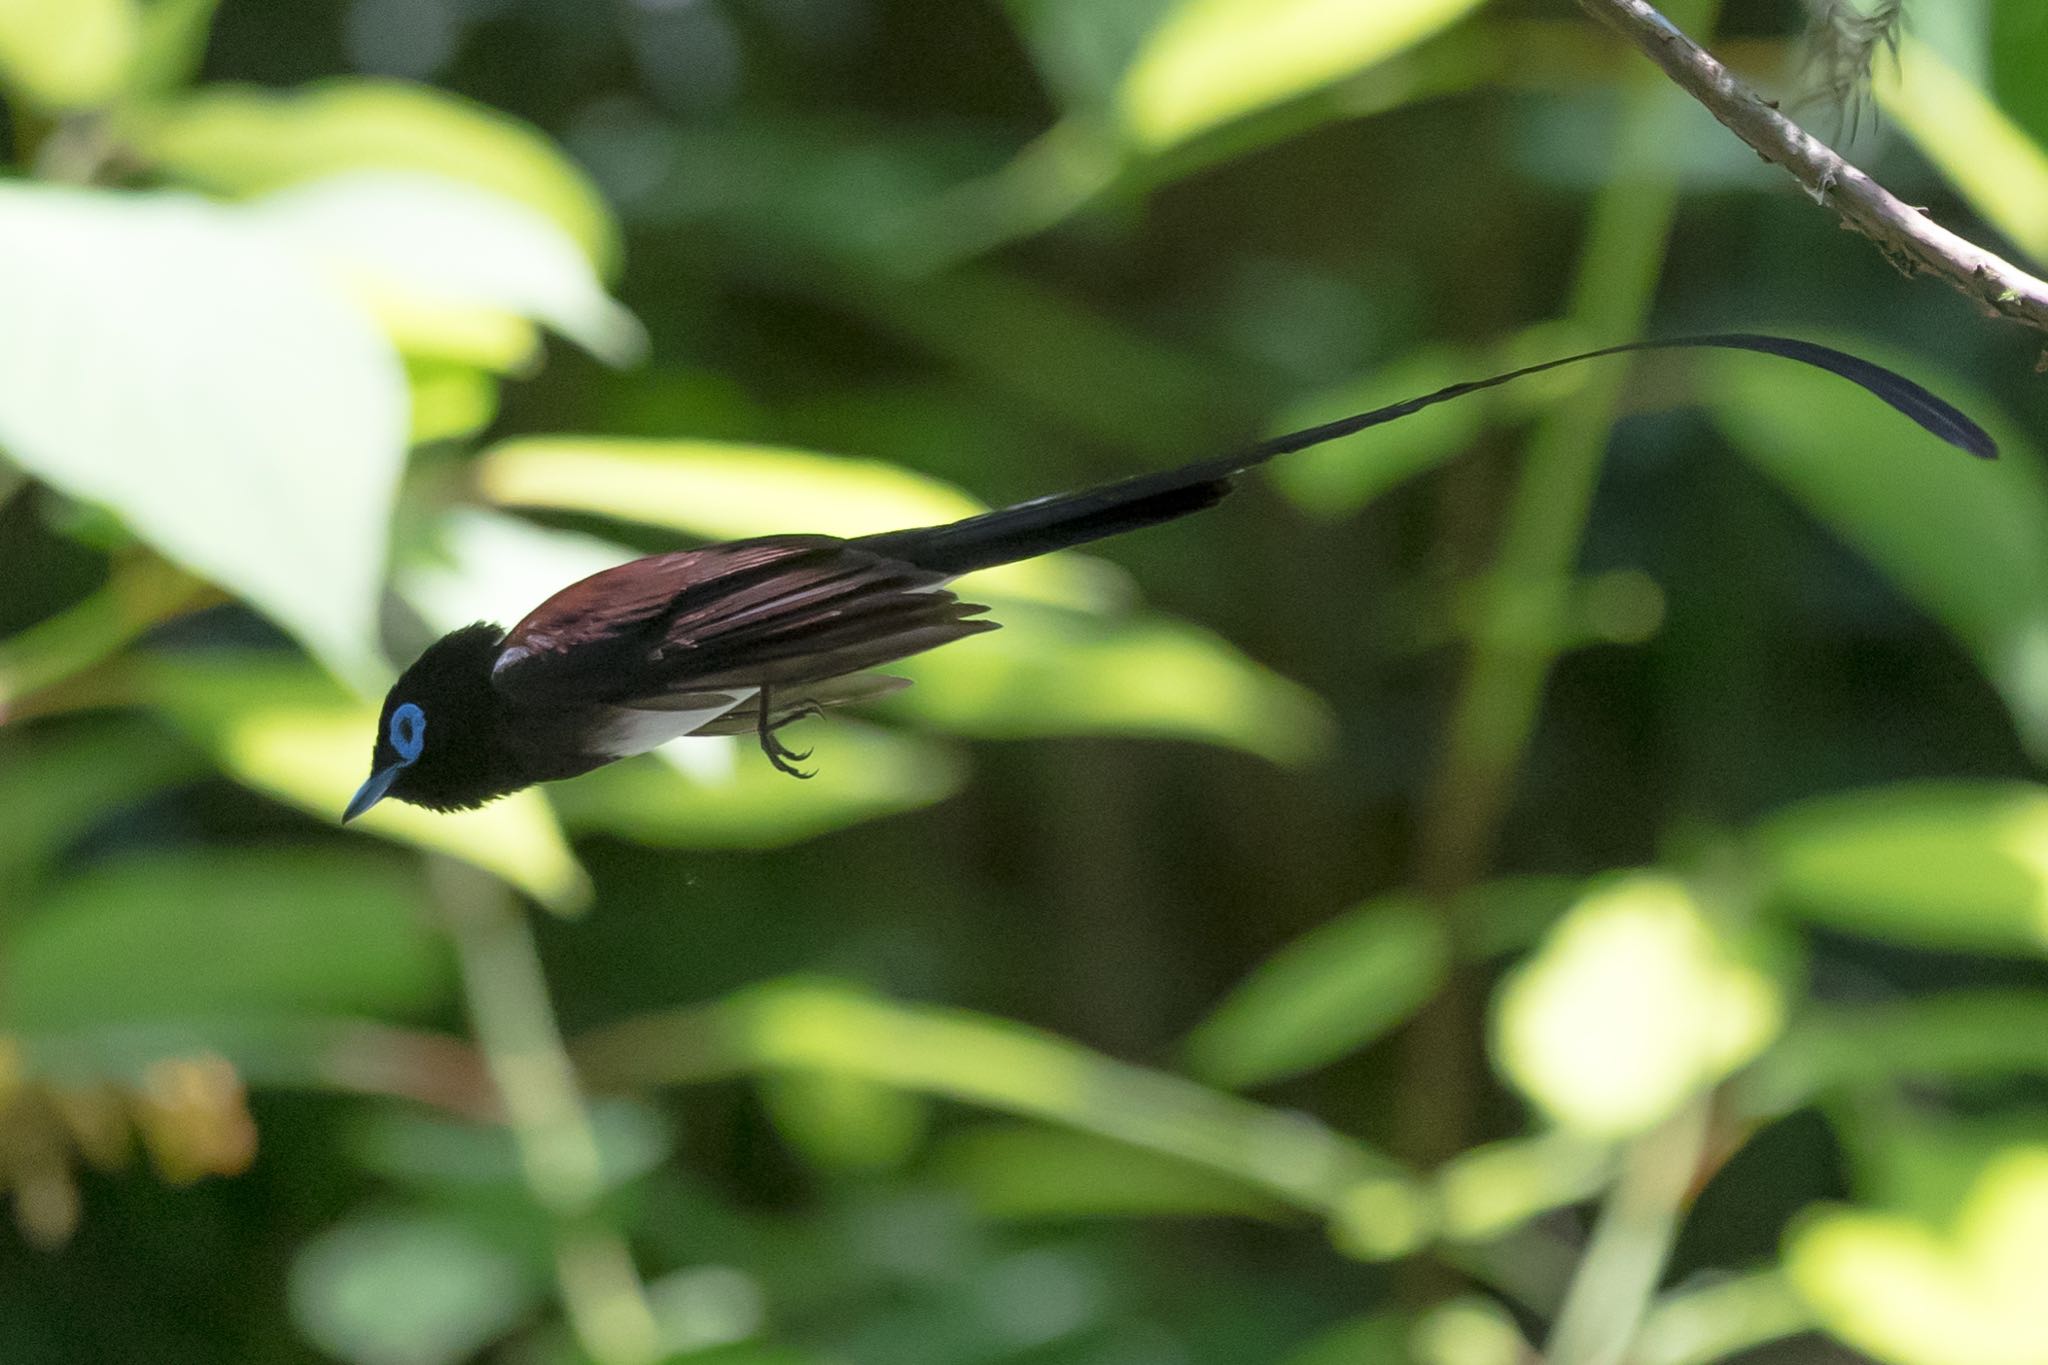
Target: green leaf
168, 359
845, 1123
241, 140
720, 793
1336, 479
407, 1289
429, 1151
171, 45
721, 490
284, 730
203, 933
1965, 540
1211, 61
1911, 1293
1633, 1005
2001, 171
67, 54
55, 786
1008, 1067
1949, 1036
1024, 1171
1955, 866
1377, 1339
441, 262
1051, 672
1328, 993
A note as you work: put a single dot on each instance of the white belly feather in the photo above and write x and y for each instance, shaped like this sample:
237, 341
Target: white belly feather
629, 730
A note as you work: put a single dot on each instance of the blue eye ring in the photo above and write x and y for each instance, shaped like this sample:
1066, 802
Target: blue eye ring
408, 731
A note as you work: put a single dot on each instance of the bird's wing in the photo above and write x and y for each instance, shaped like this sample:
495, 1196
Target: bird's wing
775, 612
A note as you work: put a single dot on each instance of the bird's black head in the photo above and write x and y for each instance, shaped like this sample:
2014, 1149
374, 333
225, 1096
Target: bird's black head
438, 741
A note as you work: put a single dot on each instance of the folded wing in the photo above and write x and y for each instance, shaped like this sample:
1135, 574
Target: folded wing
777, 612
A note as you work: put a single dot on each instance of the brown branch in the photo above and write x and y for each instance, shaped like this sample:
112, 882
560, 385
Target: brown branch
1905, 234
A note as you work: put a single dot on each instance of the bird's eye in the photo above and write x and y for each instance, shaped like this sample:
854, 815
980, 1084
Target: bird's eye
408, 731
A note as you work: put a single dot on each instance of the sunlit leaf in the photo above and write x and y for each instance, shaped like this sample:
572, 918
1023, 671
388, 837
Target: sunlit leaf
200, 933
242, 140
1489, 1190
721, 490
1029, 1172
1210, 61
2000, 169
845, 1123
1965, 540
1021, 1071
171, 43
67, 54
449, 400
171, 361
1936, 865
442, 262
1083, 46
1050, 672
1913, 1294
407, 1289
1631, 1006
1328, 993
284, 730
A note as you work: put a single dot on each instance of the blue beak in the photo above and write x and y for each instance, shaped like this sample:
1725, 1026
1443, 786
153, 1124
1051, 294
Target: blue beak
371, 792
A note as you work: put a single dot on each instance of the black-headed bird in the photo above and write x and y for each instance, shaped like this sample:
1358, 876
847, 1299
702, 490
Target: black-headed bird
747, 636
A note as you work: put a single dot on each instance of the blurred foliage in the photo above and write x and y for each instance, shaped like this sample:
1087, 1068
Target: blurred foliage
1366, 1011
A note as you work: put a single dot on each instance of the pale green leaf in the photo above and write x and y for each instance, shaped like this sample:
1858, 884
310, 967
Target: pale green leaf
67, 54
431, 1151
2001, 171
440, 261
845, 1123
169, 360
1025, 1171
1632, 1005
1005, 1066
1911, 1293
201, 933
721, 490
1954, 866
282, 729
1211, 61
1328, 993
171, 44
721, 793
242, 140
1965, 540
407, 1289
1052, 672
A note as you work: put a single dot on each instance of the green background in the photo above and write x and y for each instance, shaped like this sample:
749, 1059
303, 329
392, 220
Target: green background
1567, 872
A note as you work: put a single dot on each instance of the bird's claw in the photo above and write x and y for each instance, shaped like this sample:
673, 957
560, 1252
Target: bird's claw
780, 756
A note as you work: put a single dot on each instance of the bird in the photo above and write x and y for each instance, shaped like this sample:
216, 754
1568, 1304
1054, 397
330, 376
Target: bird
747, 636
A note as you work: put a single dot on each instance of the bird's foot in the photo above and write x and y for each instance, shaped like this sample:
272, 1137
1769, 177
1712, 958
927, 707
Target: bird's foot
780, 756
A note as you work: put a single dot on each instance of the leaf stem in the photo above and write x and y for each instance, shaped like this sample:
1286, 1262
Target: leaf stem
1523, 623
1616, 1281
515, 1026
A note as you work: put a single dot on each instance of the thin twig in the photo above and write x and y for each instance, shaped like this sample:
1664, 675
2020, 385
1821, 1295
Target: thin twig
1905, 234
